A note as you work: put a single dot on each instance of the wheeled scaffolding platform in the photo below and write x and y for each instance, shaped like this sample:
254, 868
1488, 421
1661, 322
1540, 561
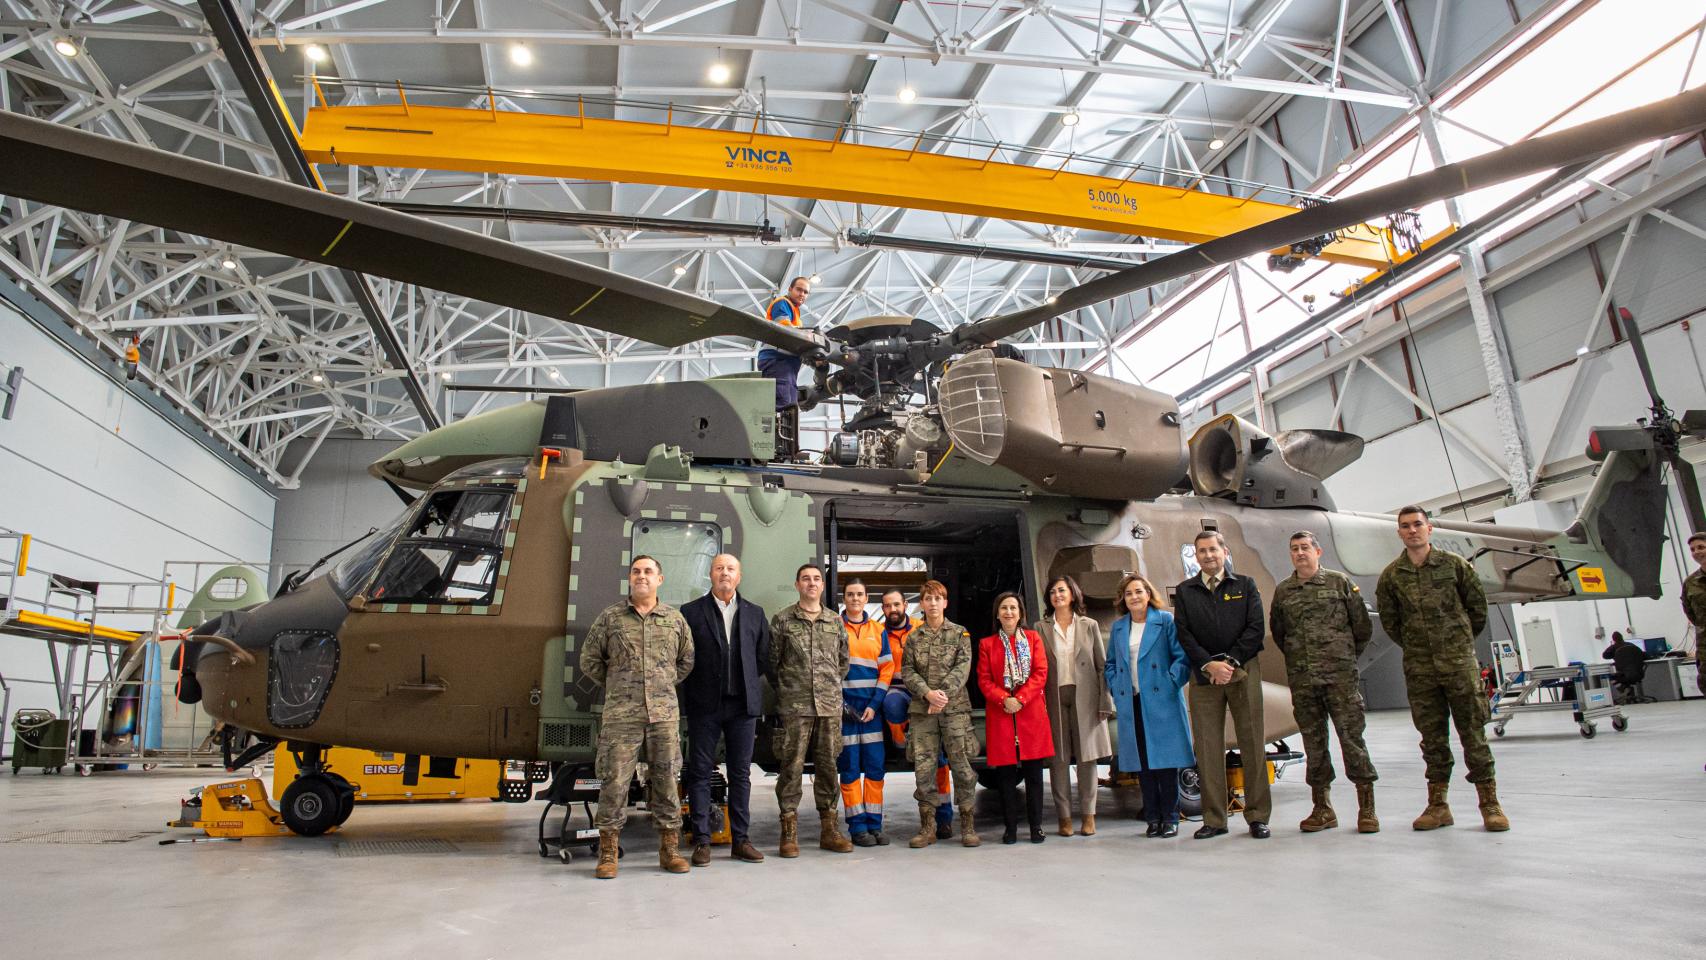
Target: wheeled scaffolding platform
1554, 689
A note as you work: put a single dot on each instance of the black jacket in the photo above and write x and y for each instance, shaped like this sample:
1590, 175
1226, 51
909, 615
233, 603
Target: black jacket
1226, 623
702, 691
1631, 661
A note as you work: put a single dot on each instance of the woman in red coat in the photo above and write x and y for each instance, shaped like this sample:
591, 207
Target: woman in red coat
1012, 670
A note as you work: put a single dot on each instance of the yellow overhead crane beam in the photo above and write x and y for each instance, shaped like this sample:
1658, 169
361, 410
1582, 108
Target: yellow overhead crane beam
625, 151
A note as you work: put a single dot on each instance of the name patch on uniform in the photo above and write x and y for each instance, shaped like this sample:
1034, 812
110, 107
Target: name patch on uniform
1591, 579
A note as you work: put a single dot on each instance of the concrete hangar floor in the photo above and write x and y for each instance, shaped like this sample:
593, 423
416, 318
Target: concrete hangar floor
1604, 856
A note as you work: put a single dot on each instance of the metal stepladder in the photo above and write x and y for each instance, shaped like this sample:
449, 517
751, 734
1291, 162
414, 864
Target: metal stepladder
1523, 692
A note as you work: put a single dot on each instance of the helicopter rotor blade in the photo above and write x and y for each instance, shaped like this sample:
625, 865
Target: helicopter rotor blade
1638, 344
1684, 113
1666, 432
59, 165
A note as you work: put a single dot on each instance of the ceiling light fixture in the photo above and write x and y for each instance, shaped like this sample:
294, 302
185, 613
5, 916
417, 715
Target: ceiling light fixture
679, 269
719, 72
66, 47
445, 376
316, 53
907, 94
813, 278
317, 378
554, 373
1070, 120
521, 54
1344, 167
1216, 143
935, 288
228, 263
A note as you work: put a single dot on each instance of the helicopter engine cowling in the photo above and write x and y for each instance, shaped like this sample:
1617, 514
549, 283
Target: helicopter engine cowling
1067, 431
1232, 458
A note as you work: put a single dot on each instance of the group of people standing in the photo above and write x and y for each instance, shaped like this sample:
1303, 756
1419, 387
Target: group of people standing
844, 682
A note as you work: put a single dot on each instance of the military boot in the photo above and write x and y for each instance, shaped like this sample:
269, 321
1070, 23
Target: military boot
1437, 813
669, 857
830, 837
1367, 822
790, 835
926, 834
1492, 815
1322, 817
968, 832
606, 855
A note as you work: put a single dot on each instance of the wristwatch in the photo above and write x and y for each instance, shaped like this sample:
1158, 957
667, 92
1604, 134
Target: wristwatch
1225, 658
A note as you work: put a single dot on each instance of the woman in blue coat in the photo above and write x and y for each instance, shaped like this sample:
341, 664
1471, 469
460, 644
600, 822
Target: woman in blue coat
1155, 736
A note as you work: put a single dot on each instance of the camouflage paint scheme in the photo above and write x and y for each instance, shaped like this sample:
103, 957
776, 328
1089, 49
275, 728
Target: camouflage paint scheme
502, 681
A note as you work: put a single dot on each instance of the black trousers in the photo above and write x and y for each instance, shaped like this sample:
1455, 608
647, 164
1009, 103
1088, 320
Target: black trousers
1160, 787
1030, 771
731, 725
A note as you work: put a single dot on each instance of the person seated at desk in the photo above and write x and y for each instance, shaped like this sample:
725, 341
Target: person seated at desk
1631, 662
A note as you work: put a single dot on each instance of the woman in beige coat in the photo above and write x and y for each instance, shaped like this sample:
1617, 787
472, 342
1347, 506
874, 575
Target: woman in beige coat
1077, 698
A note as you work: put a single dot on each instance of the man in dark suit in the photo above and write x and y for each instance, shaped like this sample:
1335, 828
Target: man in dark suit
1218, 614
722, 700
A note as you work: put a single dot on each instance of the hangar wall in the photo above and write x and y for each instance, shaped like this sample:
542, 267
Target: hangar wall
107, 486
337, 502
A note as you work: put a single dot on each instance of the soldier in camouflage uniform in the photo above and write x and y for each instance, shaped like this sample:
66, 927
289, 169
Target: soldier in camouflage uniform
639, 650
808, 659
1432, 605
1319, 622
935, 670
1694, 604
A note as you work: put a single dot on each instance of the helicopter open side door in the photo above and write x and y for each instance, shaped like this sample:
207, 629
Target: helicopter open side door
682, 516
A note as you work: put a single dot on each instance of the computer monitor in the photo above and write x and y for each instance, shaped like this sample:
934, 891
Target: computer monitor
1656, 646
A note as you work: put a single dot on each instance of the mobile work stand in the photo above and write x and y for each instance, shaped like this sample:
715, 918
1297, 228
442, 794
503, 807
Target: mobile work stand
1552, 689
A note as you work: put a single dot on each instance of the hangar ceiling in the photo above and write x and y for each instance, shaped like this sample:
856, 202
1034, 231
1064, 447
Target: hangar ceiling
272, 356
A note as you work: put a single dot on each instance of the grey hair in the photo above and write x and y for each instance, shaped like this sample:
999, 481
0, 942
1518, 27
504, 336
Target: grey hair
1306, 535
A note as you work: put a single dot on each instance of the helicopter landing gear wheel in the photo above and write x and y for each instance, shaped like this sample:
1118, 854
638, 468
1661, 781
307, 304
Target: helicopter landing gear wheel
312, 804
346, 797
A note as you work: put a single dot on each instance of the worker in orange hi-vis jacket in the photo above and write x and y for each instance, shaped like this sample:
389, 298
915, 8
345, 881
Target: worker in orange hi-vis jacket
870, 668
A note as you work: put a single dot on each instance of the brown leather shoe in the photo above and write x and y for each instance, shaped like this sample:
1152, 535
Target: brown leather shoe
1089, 826
746, 852
1066, 826
701, 855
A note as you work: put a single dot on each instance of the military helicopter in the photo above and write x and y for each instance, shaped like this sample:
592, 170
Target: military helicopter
454, 630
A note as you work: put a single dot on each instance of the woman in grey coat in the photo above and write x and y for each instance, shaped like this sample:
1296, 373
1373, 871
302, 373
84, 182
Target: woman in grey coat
1078, 702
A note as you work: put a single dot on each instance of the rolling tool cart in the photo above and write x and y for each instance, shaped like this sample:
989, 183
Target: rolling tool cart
1552, 689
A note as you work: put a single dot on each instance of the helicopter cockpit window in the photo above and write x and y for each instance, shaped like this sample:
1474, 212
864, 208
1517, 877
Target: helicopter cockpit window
451, 552
357, 564
684, 549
